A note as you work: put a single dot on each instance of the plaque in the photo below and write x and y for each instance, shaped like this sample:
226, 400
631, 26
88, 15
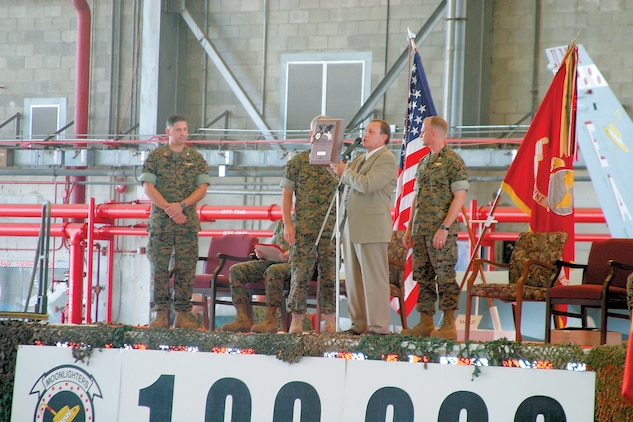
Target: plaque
327, 142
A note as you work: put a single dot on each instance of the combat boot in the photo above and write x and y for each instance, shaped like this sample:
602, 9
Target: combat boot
422, 329
161, 320
448, 329
185, 319
241, 323
329, 325
269, 324
296, 325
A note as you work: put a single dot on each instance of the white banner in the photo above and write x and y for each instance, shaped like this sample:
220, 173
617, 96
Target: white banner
162, 386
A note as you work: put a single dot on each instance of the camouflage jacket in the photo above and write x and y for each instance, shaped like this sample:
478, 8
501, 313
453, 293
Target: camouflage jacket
314, 188
437, 177
176, 176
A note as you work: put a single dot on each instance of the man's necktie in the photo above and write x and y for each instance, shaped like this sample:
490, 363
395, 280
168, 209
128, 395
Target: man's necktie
360, 165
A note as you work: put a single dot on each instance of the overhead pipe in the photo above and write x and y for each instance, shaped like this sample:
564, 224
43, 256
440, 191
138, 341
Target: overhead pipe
82, 80
108, 232
82, 90
35, 211
78, 233
515, 215
30, 230
108, 212
206, 213
492, 236
449, 62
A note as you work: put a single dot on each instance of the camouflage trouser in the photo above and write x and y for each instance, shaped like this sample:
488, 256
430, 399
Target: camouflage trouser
273, 273
435, 268
159, 253
303, 261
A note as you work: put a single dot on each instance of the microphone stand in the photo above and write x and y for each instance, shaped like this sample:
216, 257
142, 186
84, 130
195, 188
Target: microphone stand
337, 231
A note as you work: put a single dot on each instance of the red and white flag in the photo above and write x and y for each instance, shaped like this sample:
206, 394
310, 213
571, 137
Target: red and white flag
541, 177
419, 106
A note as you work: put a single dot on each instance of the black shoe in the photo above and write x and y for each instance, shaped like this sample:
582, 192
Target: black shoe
352, 331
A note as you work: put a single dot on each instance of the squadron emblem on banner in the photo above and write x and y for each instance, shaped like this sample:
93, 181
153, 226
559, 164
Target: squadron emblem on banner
65, 393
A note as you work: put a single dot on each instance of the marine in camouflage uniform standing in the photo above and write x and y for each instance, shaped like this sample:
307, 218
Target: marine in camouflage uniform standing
175, 177
275, 274
441, 186
312, 188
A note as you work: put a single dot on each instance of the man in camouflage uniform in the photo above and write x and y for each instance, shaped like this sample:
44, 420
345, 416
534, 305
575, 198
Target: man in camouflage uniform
312, 189
175, 177
441, 186
275, 275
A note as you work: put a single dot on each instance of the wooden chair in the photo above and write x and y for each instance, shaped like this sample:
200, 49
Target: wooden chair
604, 285
531, 272
213, 283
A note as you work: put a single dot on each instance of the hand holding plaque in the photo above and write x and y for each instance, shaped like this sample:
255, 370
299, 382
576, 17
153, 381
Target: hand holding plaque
327, 142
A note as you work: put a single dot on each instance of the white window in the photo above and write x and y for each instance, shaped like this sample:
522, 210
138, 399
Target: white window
335, 84
43, 117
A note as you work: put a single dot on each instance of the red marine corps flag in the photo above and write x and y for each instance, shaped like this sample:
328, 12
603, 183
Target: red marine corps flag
541, 177
419, 106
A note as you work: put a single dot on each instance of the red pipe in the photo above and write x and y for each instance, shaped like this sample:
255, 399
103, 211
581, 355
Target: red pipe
76, 234
210, 213
82, 90
35, 211
90, 248
515, 215
110, 281
109, 211
82, 78
493, 236
108, 232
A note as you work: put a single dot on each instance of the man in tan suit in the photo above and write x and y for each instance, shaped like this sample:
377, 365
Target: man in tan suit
369, 182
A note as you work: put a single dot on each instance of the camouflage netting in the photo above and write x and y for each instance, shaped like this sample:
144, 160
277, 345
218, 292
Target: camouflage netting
606, 361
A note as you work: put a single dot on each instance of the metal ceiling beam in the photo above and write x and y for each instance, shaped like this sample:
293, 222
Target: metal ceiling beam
368, 106
228, 76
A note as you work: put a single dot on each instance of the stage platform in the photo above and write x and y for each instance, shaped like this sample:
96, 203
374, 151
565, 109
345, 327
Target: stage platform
391, 359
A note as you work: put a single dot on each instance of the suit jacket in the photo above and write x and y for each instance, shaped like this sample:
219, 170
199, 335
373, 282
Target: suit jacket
369, 193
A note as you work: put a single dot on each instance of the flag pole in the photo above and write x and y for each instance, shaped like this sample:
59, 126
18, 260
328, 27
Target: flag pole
411, 37
471, 236
494, 312
419, 106
489, 221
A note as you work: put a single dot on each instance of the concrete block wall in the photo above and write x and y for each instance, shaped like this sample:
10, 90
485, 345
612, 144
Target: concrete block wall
37, 52
304, 27
38, 59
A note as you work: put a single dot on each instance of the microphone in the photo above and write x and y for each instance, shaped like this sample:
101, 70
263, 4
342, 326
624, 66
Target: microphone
348, 152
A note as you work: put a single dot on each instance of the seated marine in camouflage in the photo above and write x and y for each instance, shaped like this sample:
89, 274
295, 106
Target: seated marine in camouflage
274, 273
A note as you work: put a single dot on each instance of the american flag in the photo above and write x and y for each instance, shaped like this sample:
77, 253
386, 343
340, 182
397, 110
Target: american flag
419, 106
